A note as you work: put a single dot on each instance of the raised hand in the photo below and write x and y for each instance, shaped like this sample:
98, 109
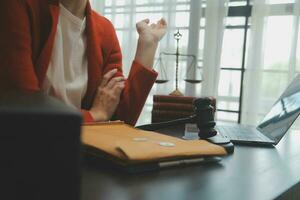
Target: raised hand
149, 36
107, 97
151, 32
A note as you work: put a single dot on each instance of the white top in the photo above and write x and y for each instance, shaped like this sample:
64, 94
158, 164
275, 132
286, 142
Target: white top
67, 73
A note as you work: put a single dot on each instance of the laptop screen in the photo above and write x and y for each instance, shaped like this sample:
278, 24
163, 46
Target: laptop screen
283, 113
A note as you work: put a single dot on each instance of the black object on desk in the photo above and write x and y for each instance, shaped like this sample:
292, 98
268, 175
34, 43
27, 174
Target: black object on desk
39, 148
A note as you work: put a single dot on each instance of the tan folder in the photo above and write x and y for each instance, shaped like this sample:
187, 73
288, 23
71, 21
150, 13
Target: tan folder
132, 145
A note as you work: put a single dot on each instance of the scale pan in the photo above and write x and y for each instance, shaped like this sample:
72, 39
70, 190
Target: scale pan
160, 81
193, 81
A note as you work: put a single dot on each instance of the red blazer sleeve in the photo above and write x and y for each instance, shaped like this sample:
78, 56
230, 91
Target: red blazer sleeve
134, 96
16, 66
137, 86
87, 117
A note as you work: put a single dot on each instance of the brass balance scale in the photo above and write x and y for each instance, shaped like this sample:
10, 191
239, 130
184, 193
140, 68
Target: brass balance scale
190, 70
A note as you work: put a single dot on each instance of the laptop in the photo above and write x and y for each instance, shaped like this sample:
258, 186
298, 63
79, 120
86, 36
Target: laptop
274, 124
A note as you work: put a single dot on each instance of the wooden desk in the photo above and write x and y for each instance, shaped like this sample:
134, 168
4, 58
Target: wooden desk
250, 173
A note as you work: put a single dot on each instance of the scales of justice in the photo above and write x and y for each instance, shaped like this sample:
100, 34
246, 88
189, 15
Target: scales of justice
191, 68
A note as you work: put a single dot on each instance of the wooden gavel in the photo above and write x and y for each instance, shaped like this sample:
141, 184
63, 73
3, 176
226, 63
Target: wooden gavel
203, 117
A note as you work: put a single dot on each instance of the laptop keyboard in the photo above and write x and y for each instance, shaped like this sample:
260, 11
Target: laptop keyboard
239, 133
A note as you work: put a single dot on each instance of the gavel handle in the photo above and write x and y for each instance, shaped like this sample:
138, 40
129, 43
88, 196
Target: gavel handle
160, 125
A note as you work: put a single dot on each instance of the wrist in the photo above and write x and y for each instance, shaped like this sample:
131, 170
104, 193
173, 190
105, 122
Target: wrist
145, 41
98, 116
145, 52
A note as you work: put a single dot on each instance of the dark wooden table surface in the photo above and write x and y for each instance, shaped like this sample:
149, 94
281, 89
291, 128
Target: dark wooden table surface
250, 173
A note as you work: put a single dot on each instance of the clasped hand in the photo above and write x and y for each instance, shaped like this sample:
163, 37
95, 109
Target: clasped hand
108, 96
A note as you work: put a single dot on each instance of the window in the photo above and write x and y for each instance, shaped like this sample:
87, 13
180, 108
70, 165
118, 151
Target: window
233, 60
179, 14
278, 33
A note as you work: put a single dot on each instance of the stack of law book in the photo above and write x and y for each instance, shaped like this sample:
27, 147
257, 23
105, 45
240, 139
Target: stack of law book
168, 107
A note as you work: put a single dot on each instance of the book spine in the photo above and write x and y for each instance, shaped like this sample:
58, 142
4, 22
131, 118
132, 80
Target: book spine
173, 106
167, 108
173, 99
170, 114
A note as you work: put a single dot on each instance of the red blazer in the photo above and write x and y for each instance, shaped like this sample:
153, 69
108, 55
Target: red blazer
27, 33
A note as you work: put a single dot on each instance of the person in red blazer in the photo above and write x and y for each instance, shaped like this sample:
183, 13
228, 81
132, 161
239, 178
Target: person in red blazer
27, 35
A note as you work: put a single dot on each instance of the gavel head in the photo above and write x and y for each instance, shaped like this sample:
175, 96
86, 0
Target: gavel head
204, 117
